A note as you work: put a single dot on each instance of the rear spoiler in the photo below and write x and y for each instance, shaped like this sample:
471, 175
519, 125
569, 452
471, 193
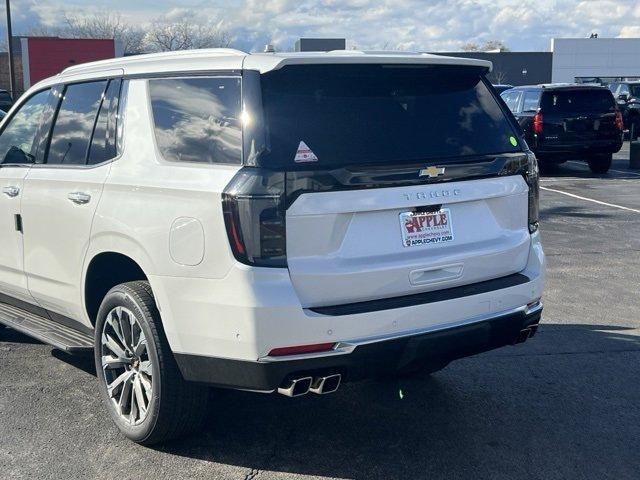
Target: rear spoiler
268, 62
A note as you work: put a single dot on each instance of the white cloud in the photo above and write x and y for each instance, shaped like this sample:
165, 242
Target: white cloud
374, 24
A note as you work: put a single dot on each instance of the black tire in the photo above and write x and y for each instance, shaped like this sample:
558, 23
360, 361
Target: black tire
600, 164
175, 408
548, 166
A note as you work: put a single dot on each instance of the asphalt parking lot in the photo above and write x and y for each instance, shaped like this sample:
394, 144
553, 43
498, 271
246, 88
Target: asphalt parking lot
564, 405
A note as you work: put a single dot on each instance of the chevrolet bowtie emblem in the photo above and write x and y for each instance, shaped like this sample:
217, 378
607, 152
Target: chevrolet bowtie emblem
432, 172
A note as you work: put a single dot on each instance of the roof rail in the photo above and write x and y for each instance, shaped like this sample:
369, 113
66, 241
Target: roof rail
122, 61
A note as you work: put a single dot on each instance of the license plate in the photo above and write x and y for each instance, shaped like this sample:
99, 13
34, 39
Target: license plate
426, 228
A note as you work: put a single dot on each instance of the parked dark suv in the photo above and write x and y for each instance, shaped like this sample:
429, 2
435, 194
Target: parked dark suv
627, 95
568, 122
5, 100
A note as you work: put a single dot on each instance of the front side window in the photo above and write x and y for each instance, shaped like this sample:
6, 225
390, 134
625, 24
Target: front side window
74, 123
16, 140
338, 115
198, 119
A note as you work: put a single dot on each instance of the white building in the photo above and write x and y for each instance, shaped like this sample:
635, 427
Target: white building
595, 59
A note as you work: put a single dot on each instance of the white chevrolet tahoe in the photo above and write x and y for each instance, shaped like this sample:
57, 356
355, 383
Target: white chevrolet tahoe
265, 222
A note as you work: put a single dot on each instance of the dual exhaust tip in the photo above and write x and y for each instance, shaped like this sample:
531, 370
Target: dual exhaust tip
318, 385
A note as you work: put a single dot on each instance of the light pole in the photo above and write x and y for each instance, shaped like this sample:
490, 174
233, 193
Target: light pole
12, 79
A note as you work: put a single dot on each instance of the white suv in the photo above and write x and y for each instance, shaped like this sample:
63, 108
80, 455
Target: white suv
266, 222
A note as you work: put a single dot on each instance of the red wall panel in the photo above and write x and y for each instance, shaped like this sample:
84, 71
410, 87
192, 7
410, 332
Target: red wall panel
49, 56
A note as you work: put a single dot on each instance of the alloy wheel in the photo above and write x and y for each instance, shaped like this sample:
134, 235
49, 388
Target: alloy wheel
126, 365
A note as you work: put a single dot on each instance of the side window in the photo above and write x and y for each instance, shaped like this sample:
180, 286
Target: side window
197, 119
103, 142
613, 87
17, 138
531, 101
74, 123
510, 99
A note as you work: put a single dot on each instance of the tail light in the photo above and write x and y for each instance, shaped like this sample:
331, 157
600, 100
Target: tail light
533, 180
619, 122
537, 123
254, 212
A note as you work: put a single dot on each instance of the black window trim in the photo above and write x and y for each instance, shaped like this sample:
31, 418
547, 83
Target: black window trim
16, 108
196, 74
62, 88
95, 121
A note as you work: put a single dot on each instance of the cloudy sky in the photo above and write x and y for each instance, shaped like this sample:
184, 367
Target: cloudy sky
423, 25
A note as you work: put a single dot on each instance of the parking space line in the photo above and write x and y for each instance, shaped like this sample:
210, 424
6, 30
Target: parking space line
611, 169
613, 205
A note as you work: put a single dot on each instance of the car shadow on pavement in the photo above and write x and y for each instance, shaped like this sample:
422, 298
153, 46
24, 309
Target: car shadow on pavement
563, 405
572, 212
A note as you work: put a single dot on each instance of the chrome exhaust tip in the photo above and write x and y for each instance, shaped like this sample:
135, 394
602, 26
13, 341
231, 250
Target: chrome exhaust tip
324, 385
296, 387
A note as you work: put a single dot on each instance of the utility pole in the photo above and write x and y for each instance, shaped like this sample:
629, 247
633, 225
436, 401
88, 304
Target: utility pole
12, 80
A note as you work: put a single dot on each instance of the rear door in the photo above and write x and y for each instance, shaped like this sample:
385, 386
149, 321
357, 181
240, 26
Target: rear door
573, 116
62, 193
376, 157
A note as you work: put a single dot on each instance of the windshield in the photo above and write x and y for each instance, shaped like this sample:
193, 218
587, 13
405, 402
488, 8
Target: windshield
579, 100
336, 115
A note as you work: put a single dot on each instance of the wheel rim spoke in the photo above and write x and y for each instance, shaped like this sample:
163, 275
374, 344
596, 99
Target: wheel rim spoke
140, 400
125, 396
112, 345
124, 319
110, 362
123, 377
146, 384
146, 368
114, 323
141, 346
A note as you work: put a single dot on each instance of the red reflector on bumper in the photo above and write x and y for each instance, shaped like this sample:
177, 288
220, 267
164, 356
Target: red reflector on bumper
297, 350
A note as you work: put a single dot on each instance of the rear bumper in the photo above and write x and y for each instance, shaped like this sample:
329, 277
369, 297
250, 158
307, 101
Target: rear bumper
571, 151
367, 358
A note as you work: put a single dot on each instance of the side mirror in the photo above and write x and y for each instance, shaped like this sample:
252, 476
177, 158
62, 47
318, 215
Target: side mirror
624, 97
17, 156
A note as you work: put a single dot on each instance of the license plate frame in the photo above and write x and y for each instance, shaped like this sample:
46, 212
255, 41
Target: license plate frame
426, 228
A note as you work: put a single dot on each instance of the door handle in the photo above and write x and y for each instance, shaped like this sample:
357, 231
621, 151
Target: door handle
11, 191
79, 198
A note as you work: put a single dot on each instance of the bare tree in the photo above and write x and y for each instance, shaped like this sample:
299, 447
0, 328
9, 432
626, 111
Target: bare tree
98, 25
495, 45
106, 25
499, 76
486, 46
470, 47
185, 34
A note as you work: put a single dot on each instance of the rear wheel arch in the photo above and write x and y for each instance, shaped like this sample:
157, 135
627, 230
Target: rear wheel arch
105, 271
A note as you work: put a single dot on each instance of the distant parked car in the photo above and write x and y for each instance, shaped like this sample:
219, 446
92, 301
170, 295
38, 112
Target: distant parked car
5, 100
568, 122
501, 88
627, 95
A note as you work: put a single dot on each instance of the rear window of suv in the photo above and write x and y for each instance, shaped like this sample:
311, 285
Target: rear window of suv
197, 119
336, 115
578, 100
